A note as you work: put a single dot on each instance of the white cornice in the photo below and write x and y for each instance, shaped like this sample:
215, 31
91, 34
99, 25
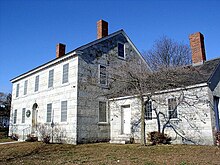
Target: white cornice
46, 65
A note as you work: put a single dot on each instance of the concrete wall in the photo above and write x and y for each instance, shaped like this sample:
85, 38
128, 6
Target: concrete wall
194, 120
59, 92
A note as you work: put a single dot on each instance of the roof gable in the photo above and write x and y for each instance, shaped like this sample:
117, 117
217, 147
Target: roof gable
76, 52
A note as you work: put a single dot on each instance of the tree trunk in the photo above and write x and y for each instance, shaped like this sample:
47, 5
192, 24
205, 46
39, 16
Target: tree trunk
143, 137
158, 122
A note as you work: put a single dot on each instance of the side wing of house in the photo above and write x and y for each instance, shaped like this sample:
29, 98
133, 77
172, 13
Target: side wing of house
45, 99
96, 65
188, 112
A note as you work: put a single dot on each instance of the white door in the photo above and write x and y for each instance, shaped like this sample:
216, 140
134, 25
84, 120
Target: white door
126, 119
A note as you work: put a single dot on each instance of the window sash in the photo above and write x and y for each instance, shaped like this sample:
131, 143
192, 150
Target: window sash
15, 116
36, 83
17, 90
50, 78
149, 110
121, 52
65, 73
102, 75
63, 111
49, 112
25, 87
23, 115
102, 112
172, 106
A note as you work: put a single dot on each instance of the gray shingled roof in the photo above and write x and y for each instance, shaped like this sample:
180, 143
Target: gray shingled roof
186, 76
202, 73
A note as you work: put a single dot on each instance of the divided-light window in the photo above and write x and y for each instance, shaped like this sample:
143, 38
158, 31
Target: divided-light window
121, 51
23, 116
15, 116
17, 90
65, 73
50, 78
25, 87
172, 108
148, 112
103, 75
36, 83
102, 112
63, 111
49, 112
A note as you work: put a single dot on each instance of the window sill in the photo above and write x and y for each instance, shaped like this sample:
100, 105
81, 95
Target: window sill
103, 123
104, 86
121, 58
174, 119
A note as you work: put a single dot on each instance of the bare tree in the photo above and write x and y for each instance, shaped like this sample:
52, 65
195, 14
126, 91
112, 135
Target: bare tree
167, 53
145, 85
5, 102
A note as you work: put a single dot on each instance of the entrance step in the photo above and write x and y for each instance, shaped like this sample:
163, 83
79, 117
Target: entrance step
121, 139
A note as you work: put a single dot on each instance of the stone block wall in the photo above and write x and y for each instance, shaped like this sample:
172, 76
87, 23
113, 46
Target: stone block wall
59, 92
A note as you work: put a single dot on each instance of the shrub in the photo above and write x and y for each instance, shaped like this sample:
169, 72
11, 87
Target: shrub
46, 139
14, 137
31, 138
158, 138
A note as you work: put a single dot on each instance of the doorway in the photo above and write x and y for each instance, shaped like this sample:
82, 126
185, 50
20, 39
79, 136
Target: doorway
34, 118
125, 119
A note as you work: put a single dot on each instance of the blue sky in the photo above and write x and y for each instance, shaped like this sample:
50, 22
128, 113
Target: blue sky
30, 30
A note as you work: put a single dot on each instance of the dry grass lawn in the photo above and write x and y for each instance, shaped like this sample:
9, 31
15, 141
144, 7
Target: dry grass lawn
103, 153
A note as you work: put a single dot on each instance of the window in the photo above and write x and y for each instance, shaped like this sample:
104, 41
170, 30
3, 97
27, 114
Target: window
17, 90
121, 51
172, 108
50, 78
102, 112
102, 75
63, 111
65, 73
36, 83
148, 112
49, 112
25, 87
23, 116
15, 116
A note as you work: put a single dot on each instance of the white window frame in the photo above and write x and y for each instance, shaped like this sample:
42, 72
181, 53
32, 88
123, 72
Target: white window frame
15, 116
25, 86
17, 90
123, 50
66, 80
106, 112
48, 120
149, 114
36, 84
50, 78
62, 111
23, 115
106, 75
171, 110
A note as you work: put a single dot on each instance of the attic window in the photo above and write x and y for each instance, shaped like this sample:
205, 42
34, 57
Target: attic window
121, 51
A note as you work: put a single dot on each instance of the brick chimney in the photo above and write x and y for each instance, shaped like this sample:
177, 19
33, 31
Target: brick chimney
102, 29
198, 48
60, 50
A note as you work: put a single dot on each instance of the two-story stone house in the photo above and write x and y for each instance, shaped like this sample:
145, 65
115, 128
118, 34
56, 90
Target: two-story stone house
63, 97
